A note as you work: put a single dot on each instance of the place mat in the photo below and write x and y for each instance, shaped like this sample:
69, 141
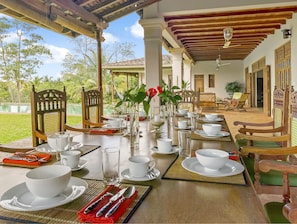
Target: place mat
199, 137
84, 150
68, 213
177, 172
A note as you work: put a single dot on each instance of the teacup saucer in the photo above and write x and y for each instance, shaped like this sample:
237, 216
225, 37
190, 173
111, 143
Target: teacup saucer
126, 174
173, 150
82, 163
187, 128
219, 135
26, 201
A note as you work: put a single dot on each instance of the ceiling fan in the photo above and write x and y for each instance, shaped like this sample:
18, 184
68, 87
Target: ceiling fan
219, 62
228, 34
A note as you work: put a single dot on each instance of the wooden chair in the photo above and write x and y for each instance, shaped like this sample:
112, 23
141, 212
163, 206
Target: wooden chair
279, 125
271, 182
237, 102
189, 100
91, 103
48, 113
285, 211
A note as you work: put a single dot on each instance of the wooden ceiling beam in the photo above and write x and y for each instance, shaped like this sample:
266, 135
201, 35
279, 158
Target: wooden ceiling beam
238, 18
243, 12
76, 10
22, 8
232, 24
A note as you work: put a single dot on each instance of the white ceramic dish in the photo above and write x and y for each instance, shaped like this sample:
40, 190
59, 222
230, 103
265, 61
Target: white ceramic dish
187, 128
108, 126
231, 168
82, 163
221, 134
206, 120
28, 202
126, 174
174, 150
46, 148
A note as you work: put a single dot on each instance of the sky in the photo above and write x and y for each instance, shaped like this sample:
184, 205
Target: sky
125, 29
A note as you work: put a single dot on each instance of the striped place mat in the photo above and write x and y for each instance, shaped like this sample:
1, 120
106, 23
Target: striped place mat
177, 172
68, 213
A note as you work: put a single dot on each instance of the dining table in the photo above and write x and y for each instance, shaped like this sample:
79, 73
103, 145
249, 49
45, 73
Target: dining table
174, 195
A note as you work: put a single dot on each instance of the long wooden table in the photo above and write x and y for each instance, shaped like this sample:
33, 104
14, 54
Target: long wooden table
169, 201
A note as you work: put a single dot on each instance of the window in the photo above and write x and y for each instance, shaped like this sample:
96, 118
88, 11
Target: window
211, 81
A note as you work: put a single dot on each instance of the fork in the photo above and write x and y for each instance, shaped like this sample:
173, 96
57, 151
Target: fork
95, 203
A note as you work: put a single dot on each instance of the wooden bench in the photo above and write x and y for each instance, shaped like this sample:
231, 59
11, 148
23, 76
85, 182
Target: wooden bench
207, 101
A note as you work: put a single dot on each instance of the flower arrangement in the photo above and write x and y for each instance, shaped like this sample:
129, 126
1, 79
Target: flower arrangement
167, 95
138, 95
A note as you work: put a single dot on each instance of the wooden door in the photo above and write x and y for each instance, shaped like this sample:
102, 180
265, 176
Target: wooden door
267, 91
248, 86
199, 83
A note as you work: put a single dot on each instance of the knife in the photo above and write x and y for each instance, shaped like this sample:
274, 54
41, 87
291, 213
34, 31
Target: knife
111, 200
95, 203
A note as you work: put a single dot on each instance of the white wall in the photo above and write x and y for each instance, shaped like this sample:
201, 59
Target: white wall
227, 73
268, 47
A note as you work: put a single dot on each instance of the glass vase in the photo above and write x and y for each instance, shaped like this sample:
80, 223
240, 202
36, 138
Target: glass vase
134, 128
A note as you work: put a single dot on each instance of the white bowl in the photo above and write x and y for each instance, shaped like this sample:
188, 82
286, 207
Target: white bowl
48, 181
115, 123
212, 159
211, 117
183, 111
63, 140
212, 129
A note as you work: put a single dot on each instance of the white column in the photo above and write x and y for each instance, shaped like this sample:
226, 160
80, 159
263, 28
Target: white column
153, 53
177, 66
188, 72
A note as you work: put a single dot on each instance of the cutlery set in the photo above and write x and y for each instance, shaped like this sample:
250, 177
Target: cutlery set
120, 196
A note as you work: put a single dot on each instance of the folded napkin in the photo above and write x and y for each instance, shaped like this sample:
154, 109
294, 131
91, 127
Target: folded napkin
91, 216
27, 159
234, 155
102, 131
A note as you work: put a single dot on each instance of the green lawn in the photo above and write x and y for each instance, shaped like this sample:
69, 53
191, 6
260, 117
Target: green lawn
18, 126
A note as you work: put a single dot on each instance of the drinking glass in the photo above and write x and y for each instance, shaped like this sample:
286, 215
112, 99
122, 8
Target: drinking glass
110, 165
184, 143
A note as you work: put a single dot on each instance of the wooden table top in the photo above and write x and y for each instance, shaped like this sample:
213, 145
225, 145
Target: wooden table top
170, 201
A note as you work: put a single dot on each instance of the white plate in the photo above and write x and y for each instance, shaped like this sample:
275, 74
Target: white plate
231, 168
206, 120
219, 135
108, 126
46, 148
174, 150
187, 128
76, 187
82, 163
126, 174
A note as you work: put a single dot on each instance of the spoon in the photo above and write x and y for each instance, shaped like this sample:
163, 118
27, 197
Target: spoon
127, 194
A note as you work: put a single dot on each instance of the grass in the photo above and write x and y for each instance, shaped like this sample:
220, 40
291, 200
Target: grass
18, 126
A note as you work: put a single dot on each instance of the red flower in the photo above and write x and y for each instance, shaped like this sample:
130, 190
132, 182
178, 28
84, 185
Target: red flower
151, 92
159, 88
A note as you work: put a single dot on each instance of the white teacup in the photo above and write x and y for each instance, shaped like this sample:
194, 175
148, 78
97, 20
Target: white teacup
211, 117
139, 166
59, 141
115, 123
70, 158
182, 124
164, 144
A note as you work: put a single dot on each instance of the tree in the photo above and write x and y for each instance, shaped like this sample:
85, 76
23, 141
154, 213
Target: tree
81, 69
21, 55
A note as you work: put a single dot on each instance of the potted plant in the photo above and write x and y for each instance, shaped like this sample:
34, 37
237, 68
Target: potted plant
232, 87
